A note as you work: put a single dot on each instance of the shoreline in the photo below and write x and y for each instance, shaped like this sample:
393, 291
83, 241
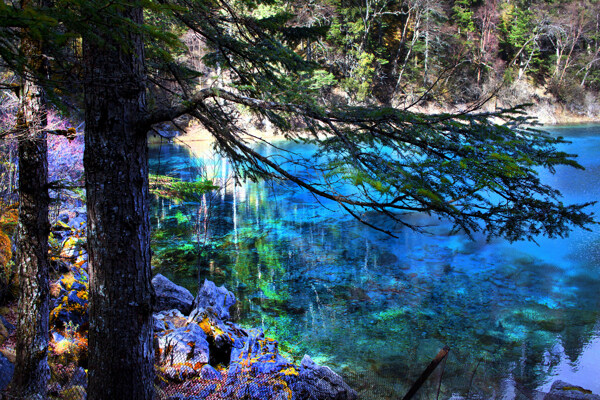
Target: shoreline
200, 141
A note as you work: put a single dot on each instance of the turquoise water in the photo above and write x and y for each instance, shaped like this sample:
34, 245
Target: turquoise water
377, 309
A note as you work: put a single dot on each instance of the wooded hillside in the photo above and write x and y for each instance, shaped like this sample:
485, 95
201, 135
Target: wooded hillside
449, 52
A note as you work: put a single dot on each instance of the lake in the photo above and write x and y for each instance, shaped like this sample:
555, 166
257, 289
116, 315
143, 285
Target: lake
377, 309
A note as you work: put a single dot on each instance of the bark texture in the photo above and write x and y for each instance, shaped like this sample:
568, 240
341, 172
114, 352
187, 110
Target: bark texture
31, 369
116, 167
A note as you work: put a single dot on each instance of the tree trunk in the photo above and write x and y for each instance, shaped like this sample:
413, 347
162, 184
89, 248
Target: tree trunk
31, 369
116, 172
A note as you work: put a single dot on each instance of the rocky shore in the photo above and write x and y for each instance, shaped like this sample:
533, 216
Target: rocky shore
201, 353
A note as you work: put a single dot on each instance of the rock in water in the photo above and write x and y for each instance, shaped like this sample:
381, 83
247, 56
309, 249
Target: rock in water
216, 299
6, 372
565, 391
171, 296
322, 383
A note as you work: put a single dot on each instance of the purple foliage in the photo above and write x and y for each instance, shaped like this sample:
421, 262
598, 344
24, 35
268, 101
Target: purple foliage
65, 157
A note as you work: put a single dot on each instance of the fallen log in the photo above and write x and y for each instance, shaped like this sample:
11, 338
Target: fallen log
430, 368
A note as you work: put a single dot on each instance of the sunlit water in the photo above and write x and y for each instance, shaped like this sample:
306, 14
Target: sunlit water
377, 309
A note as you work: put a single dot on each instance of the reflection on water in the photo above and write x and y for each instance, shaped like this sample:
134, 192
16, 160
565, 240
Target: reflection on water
377, 309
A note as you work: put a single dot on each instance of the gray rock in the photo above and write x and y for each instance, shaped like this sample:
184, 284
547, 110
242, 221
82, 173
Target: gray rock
565, 391
184, 345
209, 373
259, 354
323, 383
217, 299
168, 320
7, 370
223, 336
170, 295
78, 222
159, 325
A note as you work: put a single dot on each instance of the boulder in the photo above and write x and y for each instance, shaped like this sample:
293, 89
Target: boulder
63, 218
171, 296
222, 336
216, 299
167, 321
6, 372
257, 370
78, 222
209, 373
258, 356
60, 230
564, 391
257, 388
185, 346
321, 383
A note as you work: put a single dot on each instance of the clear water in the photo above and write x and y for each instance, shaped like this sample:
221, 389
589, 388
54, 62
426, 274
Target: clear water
377, 309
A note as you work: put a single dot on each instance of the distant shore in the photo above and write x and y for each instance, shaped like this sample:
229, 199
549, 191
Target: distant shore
200, 141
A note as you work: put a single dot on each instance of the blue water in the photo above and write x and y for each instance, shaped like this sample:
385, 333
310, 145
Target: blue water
377, 309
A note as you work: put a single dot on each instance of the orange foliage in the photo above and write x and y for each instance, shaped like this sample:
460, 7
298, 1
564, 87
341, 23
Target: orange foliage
5, 249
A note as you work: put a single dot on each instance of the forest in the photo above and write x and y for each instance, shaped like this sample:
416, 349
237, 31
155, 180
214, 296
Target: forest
412, 108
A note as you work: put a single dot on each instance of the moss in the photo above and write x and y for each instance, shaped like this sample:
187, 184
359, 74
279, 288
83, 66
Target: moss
290, 371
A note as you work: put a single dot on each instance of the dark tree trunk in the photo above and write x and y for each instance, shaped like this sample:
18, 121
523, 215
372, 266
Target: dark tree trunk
31, 370
116, 171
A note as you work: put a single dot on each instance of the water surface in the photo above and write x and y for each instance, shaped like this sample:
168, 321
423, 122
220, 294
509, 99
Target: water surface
377, 309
